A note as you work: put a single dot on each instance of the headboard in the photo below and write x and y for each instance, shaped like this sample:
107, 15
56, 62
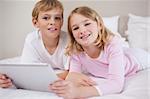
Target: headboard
16, 18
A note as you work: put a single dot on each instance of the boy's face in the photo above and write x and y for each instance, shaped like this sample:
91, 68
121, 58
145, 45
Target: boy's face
49, 23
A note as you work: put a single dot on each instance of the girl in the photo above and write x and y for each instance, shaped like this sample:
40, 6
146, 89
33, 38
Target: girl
96, 51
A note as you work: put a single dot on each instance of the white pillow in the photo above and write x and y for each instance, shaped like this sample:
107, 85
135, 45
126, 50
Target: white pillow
111, 23
139, 32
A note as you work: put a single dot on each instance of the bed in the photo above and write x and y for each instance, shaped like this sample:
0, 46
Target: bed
127, 18
136, 87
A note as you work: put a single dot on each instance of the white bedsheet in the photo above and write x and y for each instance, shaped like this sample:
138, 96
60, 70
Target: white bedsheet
136, 87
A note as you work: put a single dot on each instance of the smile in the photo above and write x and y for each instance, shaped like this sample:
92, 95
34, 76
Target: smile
85, 36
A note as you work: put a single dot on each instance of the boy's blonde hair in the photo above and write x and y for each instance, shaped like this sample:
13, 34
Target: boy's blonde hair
46, 5
103, 36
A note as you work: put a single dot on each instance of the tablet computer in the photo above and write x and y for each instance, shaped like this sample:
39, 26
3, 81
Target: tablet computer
30, 76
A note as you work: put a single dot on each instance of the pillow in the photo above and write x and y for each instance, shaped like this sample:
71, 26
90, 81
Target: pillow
139, 32
111, 23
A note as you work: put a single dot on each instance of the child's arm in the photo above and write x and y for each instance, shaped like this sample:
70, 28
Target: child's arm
80, 79
68, 90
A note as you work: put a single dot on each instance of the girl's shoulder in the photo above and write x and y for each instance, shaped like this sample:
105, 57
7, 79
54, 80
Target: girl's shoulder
114, 40
113, 44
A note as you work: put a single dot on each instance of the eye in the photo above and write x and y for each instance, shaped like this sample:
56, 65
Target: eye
58, 18
45, 17
75, 28
86, 24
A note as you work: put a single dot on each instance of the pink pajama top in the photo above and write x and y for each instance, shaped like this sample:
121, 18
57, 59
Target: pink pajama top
113, 64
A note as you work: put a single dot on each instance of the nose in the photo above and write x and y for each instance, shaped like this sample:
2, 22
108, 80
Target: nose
51, 21
82, 30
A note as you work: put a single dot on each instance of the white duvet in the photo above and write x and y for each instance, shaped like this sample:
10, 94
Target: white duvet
136, 87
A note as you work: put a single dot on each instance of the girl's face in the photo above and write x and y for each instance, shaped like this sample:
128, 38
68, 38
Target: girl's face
49, 23
85, 30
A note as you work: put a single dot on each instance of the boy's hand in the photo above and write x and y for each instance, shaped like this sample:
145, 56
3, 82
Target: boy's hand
5, 82
80, 79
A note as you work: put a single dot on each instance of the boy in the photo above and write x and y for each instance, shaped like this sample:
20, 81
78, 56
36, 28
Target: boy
47, 43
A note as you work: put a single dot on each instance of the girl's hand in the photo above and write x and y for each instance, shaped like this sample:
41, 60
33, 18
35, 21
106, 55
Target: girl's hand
65, 89
5, 82
80, 79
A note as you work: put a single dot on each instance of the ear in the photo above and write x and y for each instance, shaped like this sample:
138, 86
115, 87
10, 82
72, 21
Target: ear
35, 22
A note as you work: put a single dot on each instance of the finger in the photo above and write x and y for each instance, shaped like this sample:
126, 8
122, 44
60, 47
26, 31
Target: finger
64, 87
60, 83
59, 91
90, 81
6, 85
56, 87
2, 76
87, 82
55, 83
59, 88
4, 81
83, 83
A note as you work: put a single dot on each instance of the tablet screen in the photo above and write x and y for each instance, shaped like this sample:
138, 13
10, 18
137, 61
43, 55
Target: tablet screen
30, 76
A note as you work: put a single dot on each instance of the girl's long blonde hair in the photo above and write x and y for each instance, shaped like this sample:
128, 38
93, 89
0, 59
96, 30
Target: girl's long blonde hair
73, 47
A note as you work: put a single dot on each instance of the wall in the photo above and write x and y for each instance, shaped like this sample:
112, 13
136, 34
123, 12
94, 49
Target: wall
15, 21
148, 7
0, 30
